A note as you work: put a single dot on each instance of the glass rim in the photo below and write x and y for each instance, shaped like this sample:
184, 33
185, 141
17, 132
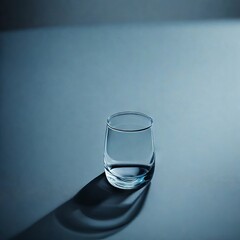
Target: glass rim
130, 113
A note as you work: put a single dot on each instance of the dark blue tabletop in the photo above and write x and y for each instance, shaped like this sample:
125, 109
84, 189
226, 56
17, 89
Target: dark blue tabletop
58, 86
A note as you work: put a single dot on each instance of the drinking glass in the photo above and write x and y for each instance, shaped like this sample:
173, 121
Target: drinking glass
129, 157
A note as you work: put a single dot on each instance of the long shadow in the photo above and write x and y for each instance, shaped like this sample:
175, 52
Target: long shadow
97, 211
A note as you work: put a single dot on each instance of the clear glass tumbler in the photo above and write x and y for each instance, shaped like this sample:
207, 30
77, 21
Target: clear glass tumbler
129, 156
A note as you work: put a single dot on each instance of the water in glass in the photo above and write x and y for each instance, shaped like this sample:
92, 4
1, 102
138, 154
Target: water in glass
129, 156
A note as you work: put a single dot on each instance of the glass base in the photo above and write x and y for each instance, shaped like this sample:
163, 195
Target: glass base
120, 176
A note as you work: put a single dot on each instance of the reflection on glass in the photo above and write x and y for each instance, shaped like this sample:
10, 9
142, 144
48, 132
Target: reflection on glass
129, 156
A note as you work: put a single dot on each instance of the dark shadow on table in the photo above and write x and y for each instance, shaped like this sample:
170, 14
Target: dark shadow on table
97, 211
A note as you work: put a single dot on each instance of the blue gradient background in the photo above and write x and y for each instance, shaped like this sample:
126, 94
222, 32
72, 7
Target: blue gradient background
58, 86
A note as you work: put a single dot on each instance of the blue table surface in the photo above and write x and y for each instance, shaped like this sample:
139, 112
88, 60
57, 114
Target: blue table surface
58, 86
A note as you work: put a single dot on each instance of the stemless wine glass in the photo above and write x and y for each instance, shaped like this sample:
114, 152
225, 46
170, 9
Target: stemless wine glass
129, 156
